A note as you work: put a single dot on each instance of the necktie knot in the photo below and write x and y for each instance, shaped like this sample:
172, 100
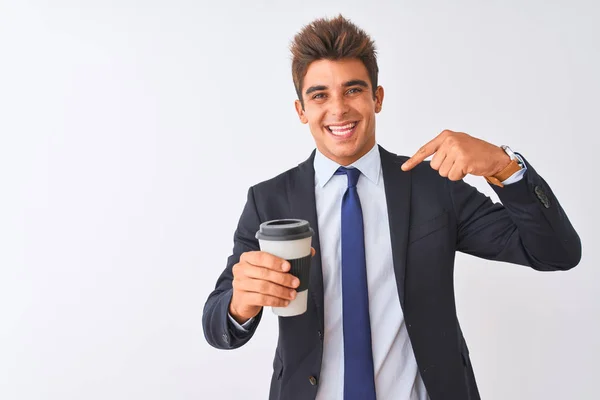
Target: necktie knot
353, 175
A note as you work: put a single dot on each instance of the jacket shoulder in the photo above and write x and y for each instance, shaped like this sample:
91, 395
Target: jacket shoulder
276, 183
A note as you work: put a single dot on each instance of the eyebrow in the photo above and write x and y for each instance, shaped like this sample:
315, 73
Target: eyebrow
354, 82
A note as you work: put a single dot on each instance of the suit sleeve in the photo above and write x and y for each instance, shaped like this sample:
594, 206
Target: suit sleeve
218, 329
529, 227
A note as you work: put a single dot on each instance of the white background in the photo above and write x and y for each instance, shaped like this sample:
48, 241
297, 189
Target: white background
130, 132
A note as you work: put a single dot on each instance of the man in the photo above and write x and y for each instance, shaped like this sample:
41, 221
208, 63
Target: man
381, 320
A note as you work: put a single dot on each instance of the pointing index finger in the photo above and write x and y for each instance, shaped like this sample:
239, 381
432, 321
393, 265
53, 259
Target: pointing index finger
428, 149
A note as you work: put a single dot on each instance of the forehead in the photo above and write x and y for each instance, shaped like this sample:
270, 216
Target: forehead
334, 73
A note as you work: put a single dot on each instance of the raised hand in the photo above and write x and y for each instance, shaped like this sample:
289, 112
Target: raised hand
456, 154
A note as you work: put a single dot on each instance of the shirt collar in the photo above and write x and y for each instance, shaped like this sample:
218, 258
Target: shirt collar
369, 165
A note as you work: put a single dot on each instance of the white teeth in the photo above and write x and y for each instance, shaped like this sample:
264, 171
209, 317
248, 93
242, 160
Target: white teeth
343, 127
342, 130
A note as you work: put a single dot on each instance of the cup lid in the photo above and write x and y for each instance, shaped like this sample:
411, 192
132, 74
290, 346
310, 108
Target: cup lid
284, 229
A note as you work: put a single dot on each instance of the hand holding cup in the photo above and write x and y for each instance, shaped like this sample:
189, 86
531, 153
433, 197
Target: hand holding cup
261, 279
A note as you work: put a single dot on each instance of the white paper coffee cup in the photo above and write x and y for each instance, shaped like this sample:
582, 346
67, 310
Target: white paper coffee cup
290, 239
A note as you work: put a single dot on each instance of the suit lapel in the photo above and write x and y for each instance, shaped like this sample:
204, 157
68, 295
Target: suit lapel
301, 197
397, 193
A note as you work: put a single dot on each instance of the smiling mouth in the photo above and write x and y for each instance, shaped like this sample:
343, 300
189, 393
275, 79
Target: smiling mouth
342, 131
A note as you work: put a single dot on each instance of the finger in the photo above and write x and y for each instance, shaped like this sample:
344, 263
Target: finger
312, 252
428, 149
265, 260
265, 274
446, 165
258, 299
457, 172
266, 288
438, 159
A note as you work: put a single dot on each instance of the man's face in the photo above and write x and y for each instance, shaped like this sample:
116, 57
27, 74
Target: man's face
340, 109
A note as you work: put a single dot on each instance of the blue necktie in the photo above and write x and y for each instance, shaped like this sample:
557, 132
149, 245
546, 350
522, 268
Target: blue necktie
359, 376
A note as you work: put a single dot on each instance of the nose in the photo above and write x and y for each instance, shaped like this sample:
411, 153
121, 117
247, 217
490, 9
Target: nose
339, 107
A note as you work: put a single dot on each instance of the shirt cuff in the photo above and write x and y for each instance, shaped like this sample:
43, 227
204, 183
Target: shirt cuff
243, 327
517, 176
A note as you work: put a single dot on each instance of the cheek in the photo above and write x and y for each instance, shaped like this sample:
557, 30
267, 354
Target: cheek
368, 114
316, 121
315, 125
312, 114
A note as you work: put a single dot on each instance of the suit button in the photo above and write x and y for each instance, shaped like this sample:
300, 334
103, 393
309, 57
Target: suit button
546, 203
312, 380
541, 195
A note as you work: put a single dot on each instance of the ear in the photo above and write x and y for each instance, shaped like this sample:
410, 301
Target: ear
300, 112
378, 99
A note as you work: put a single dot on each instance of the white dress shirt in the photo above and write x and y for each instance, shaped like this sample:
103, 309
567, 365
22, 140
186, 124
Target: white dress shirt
396, 373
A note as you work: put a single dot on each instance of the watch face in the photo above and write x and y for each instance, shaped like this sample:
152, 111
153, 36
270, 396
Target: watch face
509, 151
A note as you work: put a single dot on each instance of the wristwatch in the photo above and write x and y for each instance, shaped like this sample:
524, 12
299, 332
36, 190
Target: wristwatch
515, 165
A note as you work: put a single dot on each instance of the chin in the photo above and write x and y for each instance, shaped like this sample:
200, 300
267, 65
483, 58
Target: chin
342, 154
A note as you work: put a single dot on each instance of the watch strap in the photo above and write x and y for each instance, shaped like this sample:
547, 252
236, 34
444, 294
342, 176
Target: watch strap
506, 173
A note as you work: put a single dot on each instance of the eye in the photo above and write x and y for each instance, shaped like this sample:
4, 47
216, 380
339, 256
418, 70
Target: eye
319, 96
354, 90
